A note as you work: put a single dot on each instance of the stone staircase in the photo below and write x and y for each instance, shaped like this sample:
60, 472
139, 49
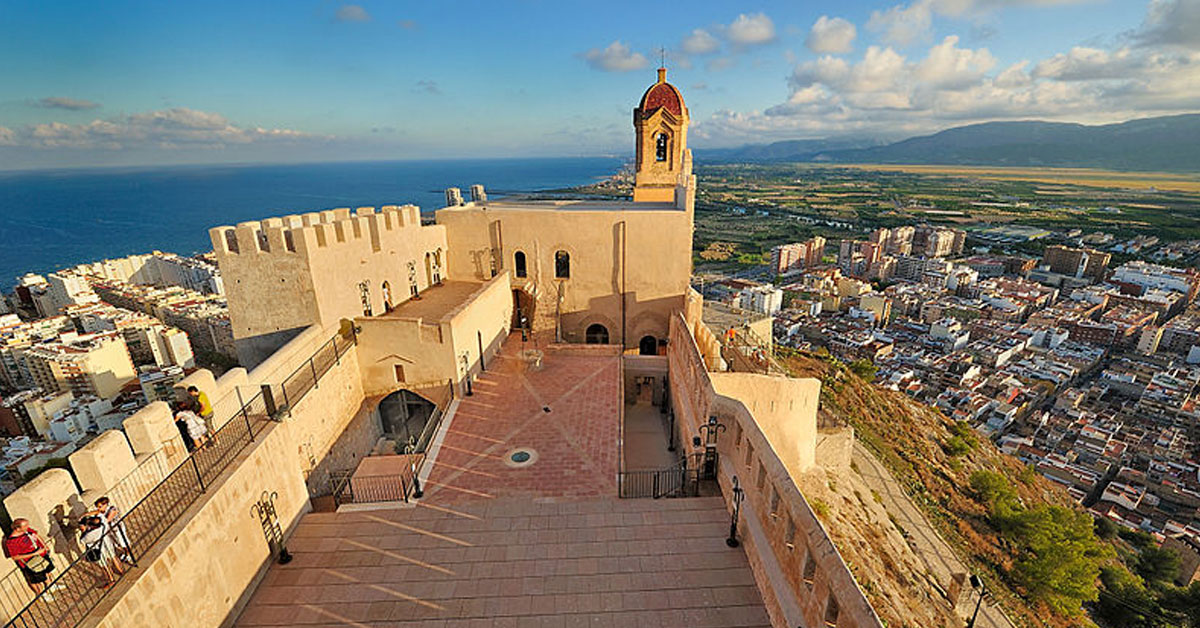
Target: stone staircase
514, 562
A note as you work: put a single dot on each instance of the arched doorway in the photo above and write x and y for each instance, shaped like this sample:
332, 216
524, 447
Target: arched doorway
648, 345
596, 334
404, 415
522, 310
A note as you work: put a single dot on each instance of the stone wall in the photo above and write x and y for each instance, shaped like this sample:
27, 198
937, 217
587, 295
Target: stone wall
126, 465
802, 577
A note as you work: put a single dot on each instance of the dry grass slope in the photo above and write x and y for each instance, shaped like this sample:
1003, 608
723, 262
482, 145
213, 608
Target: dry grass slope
910, 439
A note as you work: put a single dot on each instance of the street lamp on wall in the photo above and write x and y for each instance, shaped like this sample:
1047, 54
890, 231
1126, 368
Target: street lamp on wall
465, 358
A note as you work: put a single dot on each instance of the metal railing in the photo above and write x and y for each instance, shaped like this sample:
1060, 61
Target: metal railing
655, 483
375, 488
74, 592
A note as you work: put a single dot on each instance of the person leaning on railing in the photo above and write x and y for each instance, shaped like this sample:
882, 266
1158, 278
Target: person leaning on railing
29, 551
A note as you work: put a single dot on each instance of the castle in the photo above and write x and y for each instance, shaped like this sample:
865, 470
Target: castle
453, 422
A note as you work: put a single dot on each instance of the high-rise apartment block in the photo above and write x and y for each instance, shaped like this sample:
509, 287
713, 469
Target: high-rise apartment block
97, 364
797, 255
1078, 263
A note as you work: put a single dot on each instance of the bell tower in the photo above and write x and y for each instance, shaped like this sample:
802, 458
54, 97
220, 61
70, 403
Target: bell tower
663, 164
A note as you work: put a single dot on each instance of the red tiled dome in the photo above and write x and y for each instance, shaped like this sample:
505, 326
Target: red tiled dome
662, 95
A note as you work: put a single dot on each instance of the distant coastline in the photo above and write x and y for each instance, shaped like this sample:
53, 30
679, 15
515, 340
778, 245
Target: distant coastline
50, 219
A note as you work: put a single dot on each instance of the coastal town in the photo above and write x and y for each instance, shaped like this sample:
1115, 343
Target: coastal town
1084, 370
83, 348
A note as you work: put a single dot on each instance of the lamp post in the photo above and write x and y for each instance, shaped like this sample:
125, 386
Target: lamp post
411, 449
976, 583
738, 495
466, 362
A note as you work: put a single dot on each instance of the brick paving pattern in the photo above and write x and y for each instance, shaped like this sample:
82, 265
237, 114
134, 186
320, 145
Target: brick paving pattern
596, 563
575, 443
544, 545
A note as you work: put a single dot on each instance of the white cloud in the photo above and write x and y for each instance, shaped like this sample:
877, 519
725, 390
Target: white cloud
352, 13
71, 104
1171, 23
949, 66
717, 64
888, 94
831, 35
168, 128
1014, 76
1087, 64
617, 57
903, 25
912, 23
699, 42
750, 30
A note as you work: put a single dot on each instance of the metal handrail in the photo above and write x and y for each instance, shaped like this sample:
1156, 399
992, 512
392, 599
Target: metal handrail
75, 594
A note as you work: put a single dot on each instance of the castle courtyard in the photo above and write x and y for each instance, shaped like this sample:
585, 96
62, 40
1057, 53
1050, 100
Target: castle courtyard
536, 541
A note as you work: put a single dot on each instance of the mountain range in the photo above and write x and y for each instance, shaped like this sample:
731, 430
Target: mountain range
1167, 143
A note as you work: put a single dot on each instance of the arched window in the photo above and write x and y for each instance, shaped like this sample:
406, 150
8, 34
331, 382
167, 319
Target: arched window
596, 334
562, 265
519, 264
364, 291
437, 266
387, 297
648, 345
660, 147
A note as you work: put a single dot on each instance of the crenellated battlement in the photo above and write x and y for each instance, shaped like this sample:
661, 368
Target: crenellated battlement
304, 234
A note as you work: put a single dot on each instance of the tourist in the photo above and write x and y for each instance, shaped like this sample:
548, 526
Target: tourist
29, 552
99, 548
182, 426
203, 407
195, 427
112, 517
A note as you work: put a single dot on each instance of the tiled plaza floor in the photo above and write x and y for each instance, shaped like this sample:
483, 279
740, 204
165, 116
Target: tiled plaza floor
573, 447
547, 544
602, 563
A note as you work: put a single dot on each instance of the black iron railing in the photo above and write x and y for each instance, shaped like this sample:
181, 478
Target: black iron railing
74, 592
375, 488
669, 482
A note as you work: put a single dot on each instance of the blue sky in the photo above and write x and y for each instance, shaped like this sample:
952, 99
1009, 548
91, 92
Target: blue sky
119, 83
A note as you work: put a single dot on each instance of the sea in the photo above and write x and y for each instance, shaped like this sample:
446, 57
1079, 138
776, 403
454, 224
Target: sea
57, 219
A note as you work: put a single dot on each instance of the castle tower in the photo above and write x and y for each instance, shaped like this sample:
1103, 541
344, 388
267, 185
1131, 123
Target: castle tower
664, 163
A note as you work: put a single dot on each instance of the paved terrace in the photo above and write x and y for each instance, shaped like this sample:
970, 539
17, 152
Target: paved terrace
494, 543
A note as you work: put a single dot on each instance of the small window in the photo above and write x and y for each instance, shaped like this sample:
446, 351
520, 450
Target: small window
660, 147
562, 265
789, 535
762, 476
519, 264
648, 345
399, 373
774, 502
749, 454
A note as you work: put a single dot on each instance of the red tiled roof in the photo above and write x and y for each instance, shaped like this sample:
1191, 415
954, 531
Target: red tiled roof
662, 95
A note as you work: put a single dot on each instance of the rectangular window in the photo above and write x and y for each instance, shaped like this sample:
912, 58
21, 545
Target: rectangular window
749, 454
399, 373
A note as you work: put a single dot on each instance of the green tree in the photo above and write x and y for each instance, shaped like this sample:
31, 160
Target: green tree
1059, 557
1123, 601
997, 494
1157, 565
864, 368
1106, 529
